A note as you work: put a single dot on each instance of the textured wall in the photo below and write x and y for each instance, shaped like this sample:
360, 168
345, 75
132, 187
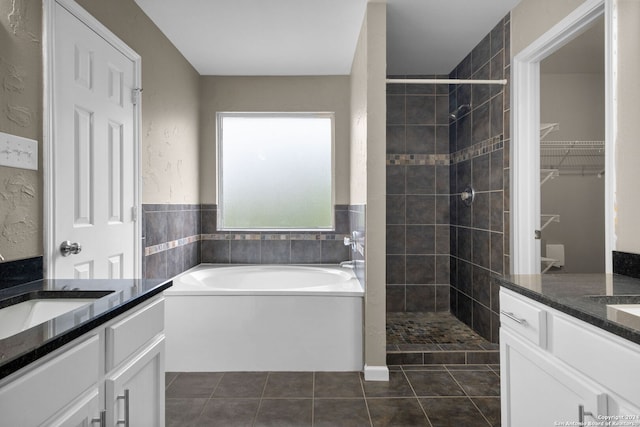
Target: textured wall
532, 18
170, 104
21, 114
169, 114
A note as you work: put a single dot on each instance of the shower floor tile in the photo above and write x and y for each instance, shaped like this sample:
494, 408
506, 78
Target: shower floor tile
427, 329
435, 338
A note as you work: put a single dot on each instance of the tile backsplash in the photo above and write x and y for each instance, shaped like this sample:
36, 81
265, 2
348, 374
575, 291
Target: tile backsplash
178, 237
20, 271
627, 264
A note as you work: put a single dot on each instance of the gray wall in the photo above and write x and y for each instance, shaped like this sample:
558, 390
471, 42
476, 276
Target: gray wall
576, 103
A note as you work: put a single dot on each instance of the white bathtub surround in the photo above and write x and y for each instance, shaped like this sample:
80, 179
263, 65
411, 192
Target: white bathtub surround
265, 318
376, 373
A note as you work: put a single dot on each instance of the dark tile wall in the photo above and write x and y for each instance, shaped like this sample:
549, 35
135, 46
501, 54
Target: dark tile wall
479, 147
267, 247
171, 239
417, 197
178, 237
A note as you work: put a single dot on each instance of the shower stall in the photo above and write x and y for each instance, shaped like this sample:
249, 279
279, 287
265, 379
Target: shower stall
447, 138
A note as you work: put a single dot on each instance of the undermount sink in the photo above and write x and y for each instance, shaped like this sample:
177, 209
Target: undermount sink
36, 309
627, 314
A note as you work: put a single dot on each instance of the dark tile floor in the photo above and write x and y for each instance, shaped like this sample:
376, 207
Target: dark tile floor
426, 395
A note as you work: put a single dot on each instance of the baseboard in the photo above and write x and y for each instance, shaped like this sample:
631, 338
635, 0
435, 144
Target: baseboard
376, 373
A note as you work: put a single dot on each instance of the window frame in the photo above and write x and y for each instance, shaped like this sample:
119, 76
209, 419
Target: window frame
220, 115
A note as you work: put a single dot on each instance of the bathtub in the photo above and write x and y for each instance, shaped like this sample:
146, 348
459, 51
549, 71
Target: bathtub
264, 318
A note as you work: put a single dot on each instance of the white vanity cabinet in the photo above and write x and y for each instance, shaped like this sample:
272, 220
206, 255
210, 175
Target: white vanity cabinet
83, 383
135, 363
558, 369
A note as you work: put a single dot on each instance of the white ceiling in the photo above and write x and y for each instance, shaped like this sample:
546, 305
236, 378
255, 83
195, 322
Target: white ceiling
318, 37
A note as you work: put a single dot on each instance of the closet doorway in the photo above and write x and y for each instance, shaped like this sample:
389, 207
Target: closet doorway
545, 149
572, 155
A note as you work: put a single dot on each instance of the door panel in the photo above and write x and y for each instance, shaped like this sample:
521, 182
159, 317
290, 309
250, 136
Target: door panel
94, 153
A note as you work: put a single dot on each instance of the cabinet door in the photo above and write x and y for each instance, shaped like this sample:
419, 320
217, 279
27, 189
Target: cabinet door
135, 392
538, 390
81, 414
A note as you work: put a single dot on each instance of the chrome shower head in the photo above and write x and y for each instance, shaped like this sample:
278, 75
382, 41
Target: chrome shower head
460, 110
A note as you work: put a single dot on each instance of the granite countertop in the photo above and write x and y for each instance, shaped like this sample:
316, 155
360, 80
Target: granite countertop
584, 296
114, 297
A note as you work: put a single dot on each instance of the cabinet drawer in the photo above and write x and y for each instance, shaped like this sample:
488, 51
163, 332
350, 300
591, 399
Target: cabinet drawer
604, 357
133, 332
37, 395
528, 320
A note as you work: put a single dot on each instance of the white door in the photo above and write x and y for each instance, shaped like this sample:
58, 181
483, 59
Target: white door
94, 150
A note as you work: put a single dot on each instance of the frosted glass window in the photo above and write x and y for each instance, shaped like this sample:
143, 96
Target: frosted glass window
275, 171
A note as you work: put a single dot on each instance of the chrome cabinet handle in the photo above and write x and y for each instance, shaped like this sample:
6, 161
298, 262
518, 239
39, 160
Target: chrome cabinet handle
67, 248
582, 413
102, 419
125, 397
514, 317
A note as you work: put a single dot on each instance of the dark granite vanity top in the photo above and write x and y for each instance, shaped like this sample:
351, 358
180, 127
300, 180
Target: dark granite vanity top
114, 297
584, 296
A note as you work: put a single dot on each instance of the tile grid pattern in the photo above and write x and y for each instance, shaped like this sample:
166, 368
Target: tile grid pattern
177, 237
417, 227
480, 233
428, 395
171, 239
268, 247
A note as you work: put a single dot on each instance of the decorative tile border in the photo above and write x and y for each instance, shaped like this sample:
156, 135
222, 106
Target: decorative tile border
485, 147
283, 236
150, 250
418, 159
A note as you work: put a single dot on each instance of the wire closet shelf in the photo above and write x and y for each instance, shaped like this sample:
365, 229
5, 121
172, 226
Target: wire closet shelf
579, 157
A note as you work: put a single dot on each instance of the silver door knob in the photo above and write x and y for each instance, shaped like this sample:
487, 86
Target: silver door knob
67, 248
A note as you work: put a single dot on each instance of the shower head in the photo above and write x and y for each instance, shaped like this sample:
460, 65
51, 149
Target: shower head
460, 110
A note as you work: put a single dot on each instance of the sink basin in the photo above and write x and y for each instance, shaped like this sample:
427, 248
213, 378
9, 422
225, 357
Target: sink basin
24, 315
616, 299
627, 314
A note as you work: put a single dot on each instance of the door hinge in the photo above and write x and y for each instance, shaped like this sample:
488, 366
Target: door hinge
135, 95
134, 214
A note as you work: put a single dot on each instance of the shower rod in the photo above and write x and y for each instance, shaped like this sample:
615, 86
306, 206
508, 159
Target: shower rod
449, 81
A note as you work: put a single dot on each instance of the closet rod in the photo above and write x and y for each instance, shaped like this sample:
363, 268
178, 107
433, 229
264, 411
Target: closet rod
449, 81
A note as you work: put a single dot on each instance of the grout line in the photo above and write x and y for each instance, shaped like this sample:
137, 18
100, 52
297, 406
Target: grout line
313, 398
467, 394
364, 396
416, 394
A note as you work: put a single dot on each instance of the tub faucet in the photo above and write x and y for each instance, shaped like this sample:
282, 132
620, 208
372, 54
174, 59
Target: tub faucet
347, 264
352, 241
